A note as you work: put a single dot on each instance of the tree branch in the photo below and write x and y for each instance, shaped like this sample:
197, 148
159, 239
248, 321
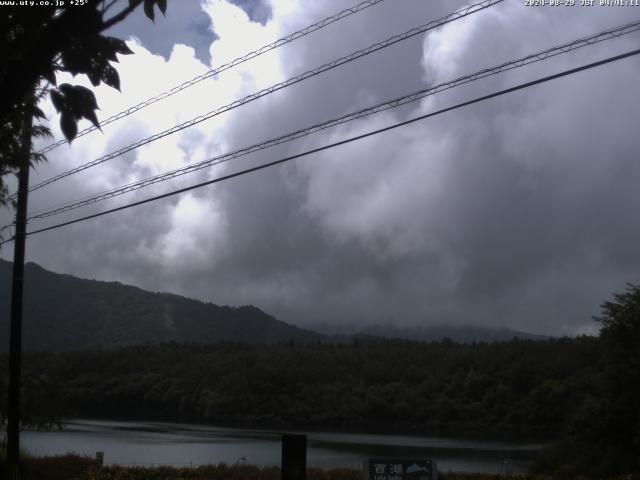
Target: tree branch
109, 5
124, 13
52, 39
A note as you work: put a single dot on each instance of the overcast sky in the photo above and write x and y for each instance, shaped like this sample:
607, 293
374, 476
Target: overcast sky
521, 211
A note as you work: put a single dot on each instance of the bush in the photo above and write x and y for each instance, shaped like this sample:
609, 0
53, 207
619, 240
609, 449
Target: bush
65, 467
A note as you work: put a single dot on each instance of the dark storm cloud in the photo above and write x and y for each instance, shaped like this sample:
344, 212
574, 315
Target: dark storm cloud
515, 212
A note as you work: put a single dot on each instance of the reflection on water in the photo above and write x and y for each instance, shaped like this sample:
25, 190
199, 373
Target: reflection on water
137, 443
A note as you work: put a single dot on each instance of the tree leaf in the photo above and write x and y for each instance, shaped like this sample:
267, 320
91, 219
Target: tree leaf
91, 116
110, 77
162, 5
41, 131
58, 100
66, 89
38, 113
91, 54
120, 46
148, 9
105, 48
86, 96
94, 77
37, 157
78, 102
69, 126
50, 76
76, 58
84, 102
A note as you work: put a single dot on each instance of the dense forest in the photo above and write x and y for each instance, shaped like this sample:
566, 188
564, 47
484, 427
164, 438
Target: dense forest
524, 385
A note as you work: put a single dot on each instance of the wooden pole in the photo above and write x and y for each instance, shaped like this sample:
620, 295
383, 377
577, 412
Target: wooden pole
294, 457
15, 336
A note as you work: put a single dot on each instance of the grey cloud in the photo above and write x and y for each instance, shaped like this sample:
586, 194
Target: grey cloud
516, 212
184, 23
258, 10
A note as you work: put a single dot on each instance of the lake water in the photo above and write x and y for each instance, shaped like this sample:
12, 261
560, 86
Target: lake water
145, 444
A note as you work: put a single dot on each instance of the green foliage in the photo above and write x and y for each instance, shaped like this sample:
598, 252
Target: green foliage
149, 4
620, 334
74, 103
12, 136
419, 387
92, 56
603, 431
35, 44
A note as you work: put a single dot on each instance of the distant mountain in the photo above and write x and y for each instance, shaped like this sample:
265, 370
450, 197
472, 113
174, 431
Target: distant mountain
62, 312
459, 334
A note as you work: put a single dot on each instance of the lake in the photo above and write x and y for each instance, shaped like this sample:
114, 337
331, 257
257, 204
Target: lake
152, 444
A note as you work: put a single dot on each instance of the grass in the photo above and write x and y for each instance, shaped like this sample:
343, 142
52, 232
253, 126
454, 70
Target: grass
211, 472
65, 467
76, 467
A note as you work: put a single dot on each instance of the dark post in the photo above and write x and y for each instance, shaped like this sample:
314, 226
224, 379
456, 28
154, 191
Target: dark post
294, 457
15, 335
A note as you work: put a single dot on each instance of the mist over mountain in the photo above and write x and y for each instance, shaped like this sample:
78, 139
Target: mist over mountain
429, 333
62, 312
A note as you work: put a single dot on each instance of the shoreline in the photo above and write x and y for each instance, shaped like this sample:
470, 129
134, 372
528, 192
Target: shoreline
542, 437
125, 443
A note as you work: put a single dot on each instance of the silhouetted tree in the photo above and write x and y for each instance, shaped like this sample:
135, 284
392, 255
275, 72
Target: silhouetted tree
603, 432
35, 43
620, 334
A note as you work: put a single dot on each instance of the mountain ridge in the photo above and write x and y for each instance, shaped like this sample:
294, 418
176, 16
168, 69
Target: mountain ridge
63, 312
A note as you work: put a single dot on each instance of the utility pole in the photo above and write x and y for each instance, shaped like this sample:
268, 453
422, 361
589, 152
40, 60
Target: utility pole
15, 336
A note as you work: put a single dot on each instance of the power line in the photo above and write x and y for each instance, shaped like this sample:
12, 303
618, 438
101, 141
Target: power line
237, 61
507, 66
279, 86
343, 142
293, 80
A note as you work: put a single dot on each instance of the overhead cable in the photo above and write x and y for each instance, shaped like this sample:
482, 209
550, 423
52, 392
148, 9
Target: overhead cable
278, 86
503, 67
237, 61
341, 142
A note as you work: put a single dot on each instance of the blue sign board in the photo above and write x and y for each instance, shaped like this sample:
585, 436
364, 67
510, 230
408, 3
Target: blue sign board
402, 469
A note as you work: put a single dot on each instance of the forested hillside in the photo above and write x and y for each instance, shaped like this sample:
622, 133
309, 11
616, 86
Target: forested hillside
428, 333
63, 312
